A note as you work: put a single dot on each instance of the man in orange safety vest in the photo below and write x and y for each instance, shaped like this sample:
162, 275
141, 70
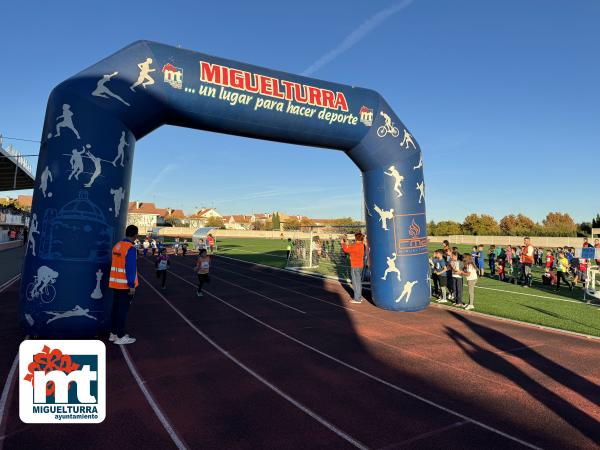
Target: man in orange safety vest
123, 281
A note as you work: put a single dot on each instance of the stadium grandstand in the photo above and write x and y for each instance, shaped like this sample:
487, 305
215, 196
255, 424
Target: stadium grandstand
16, 172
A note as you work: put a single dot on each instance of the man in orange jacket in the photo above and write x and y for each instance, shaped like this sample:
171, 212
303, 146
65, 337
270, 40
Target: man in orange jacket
357, 256
123, 281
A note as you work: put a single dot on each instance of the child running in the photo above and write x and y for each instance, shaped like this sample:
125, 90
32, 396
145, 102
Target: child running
202, 268
162, 264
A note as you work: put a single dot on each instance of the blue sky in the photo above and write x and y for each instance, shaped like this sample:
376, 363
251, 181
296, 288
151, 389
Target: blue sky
503, 97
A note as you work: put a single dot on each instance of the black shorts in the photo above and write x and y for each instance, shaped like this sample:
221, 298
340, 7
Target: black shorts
203, 277
444, 281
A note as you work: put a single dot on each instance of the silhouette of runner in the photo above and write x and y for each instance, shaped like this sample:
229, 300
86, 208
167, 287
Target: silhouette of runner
144, 78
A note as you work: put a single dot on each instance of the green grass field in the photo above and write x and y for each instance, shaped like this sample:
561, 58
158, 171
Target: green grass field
537, 305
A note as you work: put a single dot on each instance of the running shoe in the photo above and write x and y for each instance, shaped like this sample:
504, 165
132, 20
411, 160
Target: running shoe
125, 340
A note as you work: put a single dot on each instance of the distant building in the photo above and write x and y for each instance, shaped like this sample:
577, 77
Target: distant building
262, 217
239, 222
199, 219
144, 215
24, 201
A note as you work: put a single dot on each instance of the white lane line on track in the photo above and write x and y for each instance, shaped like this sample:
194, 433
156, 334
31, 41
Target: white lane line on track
258, 293
169, 428
485, 316
6, 390
533, 295
261, 253
304, 294
267, 383
338, 280
425, 435
12, 372
6, 285
247, 289
386, 344
362, 372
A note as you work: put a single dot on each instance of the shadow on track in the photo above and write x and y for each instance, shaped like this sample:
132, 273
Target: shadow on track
494, 362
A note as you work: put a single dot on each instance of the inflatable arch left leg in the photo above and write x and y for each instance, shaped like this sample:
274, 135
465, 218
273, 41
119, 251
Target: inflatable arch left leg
94, 119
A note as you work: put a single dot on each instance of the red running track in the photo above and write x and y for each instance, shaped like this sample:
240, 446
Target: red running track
271, 359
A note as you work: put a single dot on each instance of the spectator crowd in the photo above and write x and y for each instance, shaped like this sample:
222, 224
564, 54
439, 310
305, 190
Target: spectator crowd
511, 264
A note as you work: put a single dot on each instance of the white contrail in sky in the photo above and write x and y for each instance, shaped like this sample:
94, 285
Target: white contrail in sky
357, 35
154, 184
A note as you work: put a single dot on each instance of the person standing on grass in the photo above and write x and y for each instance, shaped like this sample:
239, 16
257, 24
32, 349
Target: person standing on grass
123, 281
475, 255
508, 265
211, 243
527, 262
450, 278
289, 247
492, 260
356, 252
457, 273
470, 272
549, 259
481, 260
562, 268
440, 272
202, 268
516, 263
500, 270
162, 264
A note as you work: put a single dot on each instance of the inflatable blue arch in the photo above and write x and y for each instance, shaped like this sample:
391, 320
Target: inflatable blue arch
94, 119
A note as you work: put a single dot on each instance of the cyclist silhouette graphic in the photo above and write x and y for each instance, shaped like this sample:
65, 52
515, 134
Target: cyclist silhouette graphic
388, 127
41, 287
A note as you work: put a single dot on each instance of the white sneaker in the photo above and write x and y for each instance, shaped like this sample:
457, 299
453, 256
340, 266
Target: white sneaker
199, 294
125, 340
113, 337
468, 307
442, 301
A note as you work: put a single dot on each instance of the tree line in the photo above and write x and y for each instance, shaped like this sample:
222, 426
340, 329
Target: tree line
555, 224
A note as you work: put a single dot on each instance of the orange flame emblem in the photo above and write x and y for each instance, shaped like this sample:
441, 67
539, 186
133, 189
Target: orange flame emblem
414, 229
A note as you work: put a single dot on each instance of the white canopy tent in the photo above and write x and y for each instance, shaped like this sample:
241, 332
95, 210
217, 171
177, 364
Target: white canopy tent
201, 234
